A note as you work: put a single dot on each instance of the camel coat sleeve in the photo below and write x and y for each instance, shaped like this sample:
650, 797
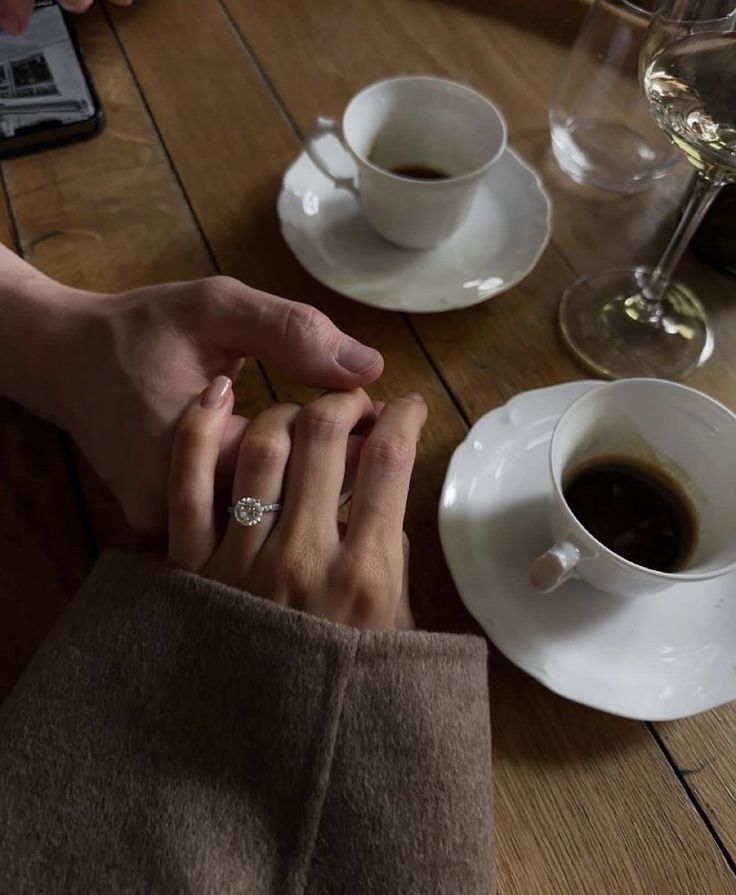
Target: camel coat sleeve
175, 735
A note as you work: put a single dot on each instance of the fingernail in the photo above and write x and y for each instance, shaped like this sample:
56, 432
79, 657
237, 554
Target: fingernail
414, 396
355, 357
216, 392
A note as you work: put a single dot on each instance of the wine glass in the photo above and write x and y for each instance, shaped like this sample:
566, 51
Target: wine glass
638, 321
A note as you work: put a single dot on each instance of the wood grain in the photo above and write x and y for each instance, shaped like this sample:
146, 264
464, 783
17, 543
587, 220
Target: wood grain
230, 144
109, 215
586, 802
703, 748
511, 343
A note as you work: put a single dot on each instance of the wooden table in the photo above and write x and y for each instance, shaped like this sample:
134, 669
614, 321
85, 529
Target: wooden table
206, 104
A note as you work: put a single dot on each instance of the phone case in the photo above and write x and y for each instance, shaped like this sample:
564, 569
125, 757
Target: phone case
46, 134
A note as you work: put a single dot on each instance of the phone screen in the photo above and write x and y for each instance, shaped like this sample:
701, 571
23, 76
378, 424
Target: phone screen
45, 94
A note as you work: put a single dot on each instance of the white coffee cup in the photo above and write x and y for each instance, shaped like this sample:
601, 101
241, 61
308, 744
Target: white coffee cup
685, 434
419, 122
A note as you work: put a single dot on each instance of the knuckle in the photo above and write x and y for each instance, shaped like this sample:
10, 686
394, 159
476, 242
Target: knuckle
303, 322
363, 609
220, 283
207, 293
296, 574
390, 453
366, 573
366, 582
323, 420
270, 451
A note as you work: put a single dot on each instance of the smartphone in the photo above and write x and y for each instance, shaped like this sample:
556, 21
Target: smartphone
46, 94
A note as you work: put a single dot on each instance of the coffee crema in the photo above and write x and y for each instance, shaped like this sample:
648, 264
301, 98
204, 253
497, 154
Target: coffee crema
635, 509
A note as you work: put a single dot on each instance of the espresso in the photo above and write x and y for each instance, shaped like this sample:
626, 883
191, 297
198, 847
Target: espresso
419, 172
634, 509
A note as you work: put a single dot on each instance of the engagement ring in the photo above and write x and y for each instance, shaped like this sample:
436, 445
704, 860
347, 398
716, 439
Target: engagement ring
249, 511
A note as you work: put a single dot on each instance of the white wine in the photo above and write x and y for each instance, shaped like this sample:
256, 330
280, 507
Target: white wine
691, 90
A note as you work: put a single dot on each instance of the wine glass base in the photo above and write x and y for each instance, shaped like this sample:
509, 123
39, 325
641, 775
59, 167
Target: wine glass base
609, 325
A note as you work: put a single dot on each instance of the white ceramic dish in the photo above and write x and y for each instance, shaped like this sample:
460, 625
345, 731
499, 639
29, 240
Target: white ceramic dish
656, 657
497, 246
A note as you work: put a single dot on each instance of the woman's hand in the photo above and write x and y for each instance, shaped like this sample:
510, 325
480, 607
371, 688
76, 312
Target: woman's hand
353, 573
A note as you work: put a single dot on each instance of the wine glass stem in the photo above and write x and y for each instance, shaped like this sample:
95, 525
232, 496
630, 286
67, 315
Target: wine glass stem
702, 195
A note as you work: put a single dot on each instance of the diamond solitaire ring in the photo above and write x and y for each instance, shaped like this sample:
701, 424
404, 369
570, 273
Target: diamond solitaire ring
249, 511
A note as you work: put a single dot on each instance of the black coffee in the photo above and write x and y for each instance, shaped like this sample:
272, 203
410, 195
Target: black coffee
636, 510
419, 172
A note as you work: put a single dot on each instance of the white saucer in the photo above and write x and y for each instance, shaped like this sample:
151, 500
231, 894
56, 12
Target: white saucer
498, 245
653, 658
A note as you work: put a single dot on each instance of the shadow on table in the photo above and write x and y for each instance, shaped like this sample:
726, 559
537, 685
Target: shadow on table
533, 726
521, 706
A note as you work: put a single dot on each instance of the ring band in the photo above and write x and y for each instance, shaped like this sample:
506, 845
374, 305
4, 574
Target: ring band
249, 511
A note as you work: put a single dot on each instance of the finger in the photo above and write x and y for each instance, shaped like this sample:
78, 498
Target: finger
264, 454
192, 530
317, 466
352, 458
294, 338
355, 446
15, 15
75, 5
404, 617
384, 473
229, 450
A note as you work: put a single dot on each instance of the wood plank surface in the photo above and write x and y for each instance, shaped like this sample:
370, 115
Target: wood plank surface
586, 802
514, 53
230, 144
109, 215
704, 749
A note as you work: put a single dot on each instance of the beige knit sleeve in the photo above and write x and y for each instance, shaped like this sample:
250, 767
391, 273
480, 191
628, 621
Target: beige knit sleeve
175, 735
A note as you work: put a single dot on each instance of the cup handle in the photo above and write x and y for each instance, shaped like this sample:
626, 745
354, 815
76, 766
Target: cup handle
323, 127
554, 566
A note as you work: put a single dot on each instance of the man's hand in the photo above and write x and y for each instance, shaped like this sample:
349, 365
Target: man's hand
138, 359
16, 14
117, 371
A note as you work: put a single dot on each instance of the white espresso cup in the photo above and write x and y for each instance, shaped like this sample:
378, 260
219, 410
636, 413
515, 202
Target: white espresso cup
414, 122
681, 432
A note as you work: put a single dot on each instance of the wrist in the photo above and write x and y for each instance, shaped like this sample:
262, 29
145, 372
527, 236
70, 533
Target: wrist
40, 324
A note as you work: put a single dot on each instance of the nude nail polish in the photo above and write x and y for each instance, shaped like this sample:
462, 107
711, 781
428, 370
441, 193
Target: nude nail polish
216, 392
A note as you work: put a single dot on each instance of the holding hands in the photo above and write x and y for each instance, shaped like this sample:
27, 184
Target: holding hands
139, 357
117, 371
302, 556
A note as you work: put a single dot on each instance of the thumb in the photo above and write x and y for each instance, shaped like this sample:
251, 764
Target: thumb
75, 5
292, 337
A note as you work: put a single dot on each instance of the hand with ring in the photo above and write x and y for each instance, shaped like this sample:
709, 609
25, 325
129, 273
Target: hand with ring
284, 540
